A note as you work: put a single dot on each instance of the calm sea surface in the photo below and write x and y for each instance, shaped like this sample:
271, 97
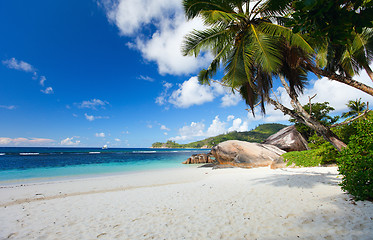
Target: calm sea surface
29, 163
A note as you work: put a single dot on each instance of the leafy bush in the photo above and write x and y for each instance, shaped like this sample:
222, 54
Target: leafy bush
308, 158
356, 162
323, 149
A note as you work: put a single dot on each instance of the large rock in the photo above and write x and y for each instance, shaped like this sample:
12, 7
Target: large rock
199, 158
288, 139
248, 155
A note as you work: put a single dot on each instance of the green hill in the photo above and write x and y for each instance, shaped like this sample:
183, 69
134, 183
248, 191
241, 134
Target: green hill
259, 134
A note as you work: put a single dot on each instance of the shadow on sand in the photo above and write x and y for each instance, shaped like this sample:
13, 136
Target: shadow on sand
300, 179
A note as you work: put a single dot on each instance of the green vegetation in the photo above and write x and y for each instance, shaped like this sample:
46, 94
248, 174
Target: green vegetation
318, 111
259, 134
308, 158
356, 162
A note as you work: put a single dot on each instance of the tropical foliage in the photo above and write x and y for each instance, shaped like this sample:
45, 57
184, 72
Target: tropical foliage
250, 41
356, 107
355, 162
318, 111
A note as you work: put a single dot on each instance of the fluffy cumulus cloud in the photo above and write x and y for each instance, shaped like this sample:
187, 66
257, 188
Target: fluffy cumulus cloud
92, 104
25, 141
197, 130
230, 99
70, 142
18, 65
190, 131
191, 93
100, 134
165, 21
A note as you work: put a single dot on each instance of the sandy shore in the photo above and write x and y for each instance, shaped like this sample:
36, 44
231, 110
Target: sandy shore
188, 203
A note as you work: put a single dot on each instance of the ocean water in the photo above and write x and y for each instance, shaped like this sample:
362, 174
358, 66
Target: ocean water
37, 163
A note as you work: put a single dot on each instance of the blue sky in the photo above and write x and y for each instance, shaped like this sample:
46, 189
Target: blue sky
89, 73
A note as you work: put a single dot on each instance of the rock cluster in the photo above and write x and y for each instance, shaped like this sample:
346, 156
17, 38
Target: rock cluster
288, 139
199, 158
248, 155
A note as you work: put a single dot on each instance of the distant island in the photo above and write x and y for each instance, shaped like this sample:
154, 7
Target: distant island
259, 134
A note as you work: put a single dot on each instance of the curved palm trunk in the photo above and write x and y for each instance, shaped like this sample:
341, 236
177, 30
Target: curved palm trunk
304, 117
369, 71
342, 79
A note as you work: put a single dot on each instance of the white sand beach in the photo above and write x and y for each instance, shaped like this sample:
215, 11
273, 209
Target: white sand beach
188, 203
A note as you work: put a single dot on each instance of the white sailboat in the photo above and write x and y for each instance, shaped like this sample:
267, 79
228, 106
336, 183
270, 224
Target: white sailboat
104, 147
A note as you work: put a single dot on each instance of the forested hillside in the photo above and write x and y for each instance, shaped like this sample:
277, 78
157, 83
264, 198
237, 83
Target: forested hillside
258, 134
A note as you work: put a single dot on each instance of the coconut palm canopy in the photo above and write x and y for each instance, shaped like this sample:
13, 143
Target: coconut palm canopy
250, 40
250, 45
356, 107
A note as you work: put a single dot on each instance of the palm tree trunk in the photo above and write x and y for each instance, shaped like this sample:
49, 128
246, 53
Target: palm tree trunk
304, 117
339, 78
369, 71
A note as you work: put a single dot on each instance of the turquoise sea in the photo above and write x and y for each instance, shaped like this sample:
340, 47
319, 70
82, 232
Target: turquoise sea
18, 163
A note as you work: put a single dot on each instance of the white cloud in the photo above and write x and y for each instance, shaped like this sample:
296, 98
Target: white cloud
25, 141
162, 99
100, 134
48, 90
168, 26
93, 104
146, 78
163, 127
191, 93
189, 132
70, 142
9, 107
42, 80
230, 99
239, 125
217, 127
336, 93
117, 140
92, 118
196, 130
230, 118
18, 65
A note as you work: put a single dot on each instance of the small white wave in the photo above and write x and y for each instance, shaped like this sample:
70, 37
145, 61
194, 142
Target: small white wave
144, 151
2, 154
27, 154
94, 152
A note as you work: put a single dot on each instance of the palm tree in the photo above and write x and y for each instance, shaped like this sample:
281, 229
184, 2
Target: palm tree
249, 46
253, 50
336, 60
348, 59
356, 107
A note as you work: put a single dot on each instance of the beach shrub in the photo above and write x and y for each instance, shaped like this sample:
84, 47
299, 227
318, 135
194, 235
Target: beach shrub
323, 149
307, 158
355, 162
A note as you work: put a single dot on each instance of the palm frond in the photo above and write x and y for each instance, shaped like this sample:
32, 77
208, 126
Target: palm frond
194, 8
197, 40
295, 39
265, 50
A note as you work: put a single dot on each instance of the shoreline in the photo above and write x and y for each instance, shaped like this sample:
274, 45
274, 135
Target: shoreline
187, 203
